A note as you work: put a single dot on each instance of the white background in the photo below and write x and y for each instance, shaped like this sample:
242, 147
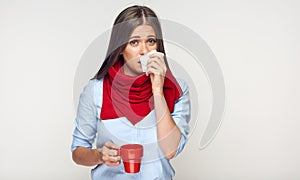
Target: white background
256, 43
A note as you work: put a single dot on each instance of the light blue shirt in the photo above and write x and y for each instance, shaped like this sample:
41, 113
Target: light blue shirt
89, 126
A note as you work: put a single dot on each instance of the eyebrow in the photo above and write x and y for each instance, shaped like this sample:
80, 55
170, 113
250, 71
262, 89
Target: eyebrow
140, 36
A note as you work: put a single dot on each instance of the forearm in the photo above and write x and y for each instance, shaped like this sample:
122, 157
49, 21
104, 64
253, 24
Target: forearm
87, 157
168, 133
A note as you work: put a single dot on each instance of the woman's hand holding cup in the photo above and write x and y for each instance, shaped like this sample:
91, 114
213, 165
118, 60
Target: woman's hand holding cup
109, 154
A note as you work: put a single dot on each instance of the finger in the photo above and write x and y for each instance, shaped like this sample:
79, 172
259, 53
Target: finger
159, 55
155, 60
107, 158
153, 71
115, 159
112, 160
113, 163
110, 155
110, 152
156, 64
157, 70
111, 145
159, 58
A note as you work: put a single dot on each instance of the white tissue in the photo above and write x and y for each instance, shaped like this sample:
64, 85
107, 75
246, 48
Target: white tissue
144, 59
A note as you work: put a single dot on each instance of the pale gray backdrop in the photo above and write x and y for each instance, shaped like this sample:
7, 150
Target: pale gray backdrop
257, 46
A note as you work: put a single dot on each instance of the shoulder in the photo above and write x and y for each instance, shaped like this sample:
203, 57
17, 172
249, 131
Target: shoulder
93, 85
95, 82
91, 94
183, 85
92, 88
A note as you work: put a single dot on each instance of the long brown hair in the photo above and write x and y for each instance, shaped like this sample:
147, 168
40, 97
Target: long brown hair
124, 25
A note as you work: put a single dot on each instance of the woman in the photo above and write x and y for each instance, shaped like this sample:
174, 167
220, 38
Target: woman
122, 104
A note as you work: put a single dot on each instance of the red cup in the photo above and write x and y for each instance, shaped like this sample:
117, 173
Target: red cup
131, 155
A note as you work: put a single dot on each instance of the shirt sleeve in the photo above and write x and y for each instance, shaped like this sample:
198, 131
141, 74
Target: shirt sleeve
86, 119
181, 115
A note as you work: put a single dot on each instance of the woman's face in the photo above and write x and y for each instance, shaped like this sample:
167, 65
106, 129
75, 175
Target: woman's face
141, 41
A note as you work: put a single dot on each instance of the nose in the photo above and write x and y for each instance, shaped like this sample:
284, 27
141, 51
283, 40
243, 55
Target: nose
144, 49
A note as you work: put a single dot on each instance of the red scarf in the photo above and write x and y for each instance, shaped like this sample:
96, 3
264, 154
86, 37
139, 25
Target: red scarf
131, 97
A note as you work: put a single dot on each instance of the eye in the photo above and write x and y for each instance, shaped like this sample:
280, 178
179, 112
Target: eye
152, 41
133, 42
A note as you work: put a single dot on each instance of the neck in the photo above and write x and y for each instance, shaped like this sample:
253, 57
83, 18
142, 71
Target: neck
127, 71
